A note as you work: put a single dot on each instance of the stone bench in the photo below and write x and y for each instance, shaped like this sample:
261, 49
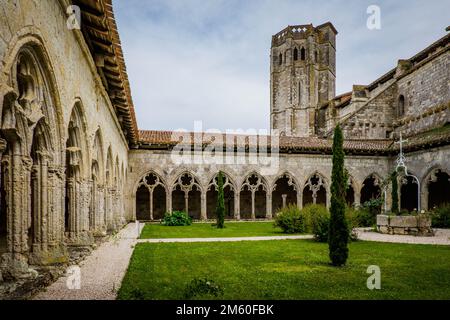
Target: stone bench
417, 225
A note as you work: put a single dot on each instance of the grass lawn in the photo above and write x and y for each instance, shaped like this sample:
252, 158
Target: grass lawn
206, 230
288, 269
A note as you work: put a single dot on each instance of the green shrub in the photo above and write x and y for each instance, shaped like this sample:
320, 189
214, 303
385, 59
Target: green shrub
318, 218
176, 218
361, 218
441, 216
202, 288
290, 220
371, 209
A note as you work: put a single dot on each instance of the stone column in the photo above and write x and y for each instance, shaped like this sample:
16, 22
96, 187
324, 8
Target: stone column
357, 199
150, 191
101, 219
186, 202
237, 206
328, 197
203, 213
168, 201
17, 171
268, 205
299, 199
424, 195
284, 197
253, 205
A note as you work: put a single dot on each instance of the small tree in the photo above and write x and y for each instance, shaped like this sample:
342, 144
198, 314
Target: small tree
394, 192
338, 231
220, 209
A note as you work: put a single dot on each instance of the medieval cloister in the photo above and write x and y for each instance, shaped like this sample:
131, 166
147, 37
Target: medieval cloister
74, 165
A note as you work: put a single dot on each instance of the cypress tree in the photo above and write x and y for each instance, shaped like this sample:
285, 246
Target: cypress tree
394, 192
338, 231
220, 208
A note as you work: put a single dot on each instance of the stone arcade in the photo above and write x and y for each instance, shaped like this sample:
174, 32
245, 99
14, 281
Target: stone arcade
74, 165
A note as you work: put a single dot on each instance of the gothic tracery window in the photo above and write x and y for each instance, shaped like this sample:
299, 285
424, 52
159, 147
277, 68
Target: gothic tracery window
314, 191
401, 106
303, 54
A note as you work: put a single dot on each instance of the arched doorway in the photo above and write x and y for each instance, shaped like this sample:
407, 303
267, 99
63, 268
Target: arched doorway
371, 189
96, 210
314, 191
408, 194
284, 193
211, 197
438, 189
76, 222
143, 203
253, 197
31, 176
186, 195
350, 193
151, 198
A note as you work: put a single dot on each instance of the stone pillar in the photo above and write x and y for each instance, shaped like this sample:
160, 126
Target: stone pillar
168, 201
203, 213
268, 205
17, 171
284, 197
328, 197
300, 199
101, 216
357, 195
388, 199
237, 206
424, 195
150, 190
253, 205
186, 202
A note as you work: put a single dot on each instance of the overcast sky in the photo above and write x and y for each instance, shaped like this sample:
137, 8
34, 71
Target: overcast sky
208, 60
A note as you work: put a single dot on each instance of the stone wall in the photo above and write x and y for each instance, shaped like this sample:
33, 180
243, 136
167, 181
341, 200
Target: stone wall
60, 131
299, 166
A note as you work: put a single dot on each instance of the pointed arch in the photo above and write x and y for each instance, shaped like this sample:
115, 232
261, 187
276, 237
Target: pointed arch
295, 54
302, 54
284, 191
315, 190
151, 197
253, 197
32, 126
229, 188
436, 186
371, 188
186, 194
97, 155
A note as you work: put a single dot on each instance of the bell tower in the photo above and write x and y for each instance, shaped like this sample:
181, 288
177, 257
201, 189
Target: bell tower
302, 76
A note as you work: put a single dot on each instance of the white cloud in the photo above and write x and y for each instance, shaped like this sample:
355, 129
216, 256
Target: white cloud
193, 60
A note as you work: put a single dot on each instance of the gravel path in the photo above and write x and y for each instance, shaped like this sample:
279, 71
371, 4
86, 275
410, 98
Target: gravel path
442, 237
225, 239
101, 272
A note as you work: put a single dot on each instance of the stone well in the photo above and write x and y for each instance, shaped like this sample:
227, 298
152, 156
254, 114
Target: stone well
417, 225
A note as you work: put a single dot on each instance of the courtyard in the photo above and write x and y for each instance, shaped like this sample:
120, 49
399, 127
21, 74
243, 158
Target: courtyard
155, 262
286, 269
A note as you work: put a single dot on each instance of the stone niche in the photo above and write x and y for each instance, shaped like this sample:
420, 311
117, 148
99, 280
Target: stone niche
417, 225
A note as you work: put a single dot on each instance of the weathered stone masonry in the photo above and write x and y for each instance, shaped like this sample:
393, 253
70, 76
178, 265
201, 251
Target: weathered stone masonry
75, 167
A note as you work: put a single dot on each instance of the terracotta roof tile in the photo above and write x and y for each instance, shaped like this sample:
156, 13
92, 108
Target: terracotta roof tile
168, 139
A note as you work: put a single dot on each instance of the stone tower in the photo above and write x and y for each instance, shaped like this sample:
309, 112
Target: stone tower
302, 76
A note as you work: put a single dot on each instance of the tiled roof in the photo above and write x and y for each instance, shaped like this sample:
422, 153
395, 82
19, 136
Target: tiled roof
151, 139
167, 139
102, 37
